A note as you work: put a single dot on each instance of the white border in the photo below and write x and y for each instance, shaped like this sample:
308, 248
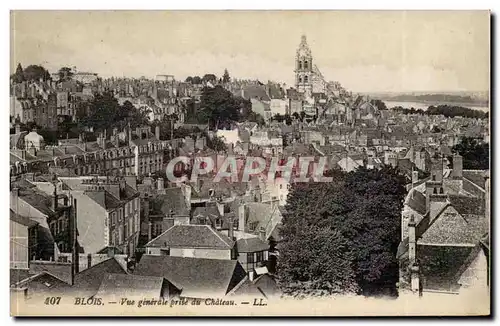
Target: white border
212, 5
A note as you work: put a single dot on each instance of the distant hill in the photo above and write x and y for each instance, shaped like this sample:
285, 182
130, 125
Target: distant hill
472, 98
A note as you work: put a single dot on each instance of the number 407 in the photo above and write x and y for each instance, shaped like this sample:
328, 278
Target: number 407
52, 300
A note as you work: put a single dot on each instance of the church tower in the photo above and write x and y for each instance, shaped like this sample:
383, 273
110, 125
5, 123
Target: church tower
303, 67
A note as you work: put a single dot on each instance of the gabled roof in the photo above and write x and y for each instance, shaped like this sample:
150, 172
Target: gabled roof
173, 199
477, 177
416, 201
251, 245
127, 285
43, 283
196, 277
17, 275
255, 92
38, 200
26, 221
451, 228
467, 205
192, 236
91, 278
442, 266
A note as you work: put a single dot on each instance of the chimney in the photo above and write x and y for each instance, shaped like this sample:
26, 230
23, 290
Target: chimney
150, 231
241, 217
457, 166
129, 133
412, 242
414, 178
157, 132
230, 230
54, 199
18, 128
251, 275
161, 184
89, 260
262, 233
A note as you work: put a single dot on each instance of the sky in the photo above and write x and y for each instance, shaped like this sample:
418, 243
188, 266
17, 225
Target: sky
366, 51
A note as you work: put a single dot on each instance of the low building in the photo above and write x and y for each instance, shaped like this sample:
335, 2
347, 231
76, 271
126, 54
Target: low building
197, 277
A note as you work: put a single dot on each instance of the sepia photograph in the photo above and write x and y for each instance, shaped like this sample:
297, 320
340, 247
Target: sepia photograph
250, 163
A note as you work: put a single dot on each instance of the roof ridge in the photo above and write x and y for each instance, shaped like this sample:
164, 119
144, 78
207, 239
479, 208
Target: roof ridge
217, 234
170, 228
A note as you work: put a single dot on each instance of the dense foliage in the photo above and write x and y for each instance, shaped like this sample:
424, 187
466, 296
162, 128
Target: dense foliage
105, 113
219, 108
379, 104
30, 73
475, 153
449, 111
342, 237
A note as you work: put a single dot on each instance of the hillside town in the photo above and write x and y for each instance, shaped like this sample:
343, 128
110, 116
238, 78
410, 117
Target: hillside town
93, 212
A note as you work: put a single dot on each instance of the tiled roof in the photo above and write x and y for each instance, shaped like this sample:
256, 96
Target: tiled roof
251, 245
26, 221
192, 236
441, 265
174, 200
467, 205
17, 275
247, 288
256, 92
452, 228
196, 277
37, 200
44, 283
416, 201
127, 285
91, 278
475, 176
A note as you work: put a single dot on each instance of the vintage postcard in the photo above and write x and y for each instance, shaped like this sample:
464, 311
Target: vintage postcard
250, 163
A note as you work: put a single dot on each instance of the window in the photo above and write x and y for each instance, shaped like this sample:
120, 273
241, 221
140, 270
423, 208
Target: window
435, 191
305, 64
260, 256
433, 178
305, 79
250, 258
300, 79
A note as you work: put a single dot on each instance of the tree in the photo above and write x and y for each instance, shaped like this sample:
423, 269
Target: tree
278, 117
196, 80
103, 112
219, 106
288, 119
128, 114
216, 143
302, 116
18, 76
189, 79
225, 77
296, 116
359, 214
379, 104
209, 78
65, 73
475, 153
36, 73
